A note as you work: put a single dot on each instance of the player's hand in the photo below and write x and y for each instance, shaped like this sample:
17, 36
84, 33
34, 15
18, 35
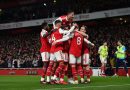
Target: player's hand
75, 24
54, 30
92, 44
54, 43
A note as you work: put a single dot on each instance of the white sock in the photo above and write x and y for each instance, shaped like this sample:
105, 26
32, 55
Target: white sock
54, 78
76, 82
51, 77
70, 79
42, 79
61, 79
48, 79
88, 80
82, 79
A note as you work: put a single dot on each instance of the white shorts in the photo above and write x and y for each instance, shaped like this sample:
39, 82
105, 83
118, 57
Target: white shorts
74, 60
86, 60
45, 56
57, 56
66, 57
103, 60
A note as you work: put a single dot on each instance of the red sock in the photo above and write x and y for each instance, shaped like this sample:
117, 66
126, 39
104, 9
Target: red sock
104, 69
80, 70
49, 69
88, 74
74, 72
59, 69
44, 71
63, 72
53, 70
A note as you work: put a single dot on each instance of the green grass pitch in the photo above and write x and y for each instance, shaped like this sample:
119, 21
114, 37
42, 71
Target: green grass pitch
33, 83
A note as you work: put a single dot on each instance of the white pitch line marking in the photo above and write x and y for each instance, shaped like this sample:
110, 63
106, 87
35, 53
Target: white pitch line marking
84, 87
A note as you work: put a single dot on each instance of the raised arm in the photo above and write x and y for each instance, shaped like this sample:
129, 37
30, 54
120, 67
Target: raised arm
88, 42
55, 20
82, 33
61, 31
65, 38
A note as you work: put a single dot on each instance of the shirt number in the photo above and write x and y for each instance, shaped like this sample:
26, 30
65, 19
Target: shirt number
53, 38
78, 40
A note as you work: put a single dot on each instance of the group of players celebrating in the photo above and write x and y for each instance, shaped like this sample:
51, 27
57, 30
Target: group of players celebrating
64, 49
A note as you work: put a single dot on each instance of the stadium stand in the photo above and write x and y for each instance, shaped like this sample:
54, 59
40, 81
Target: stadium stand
22, 49
49, 8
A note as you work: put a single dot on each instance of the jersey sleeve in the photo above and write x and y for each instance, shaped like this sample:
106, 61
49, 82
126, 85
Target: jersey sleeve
43, 33
55, 20
87, 41
61, 31
99, 49
65, 38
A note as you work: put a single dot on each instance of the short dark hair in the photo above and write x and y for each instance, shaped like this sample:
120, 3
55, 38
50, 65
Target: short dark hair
44, 24
120, 41
70, 11
85, 27
57, 21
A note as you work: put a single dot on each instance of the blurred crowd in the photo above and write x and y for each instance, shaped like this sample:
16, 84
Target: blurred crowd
110, 33
23, 50
58, 8
20, 50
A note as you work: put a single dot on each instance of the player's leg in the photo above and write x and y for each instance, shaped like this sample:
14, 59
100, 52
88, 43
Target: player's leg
53, 69
69, 74
117, 66
72, 62
102, 67
80, 69
125, 67
60, 60
52, 58
86, 62
105, 63
64, 69
45, 59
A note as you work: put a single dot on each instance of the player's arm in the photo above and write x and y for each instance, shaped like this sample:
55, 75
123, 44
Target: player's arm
65, 38
46, 35
99, 51
88, 42
82, 33
61, 31
123, 50
55, 20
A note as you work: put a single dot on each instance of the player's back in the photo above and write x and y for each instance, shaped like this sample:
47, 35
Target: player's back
58, 46
76, 45
45, 42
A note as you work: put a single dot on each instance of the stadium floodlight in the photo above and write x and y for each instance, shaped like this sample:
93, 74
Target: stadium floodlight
120, 18
44, 4
54, 1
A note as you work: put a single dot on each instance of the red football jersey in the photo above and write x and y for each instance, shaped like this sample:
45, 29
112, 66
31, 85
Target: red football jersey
65, 21
85, 48
56, 36
76, 45
45, 42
